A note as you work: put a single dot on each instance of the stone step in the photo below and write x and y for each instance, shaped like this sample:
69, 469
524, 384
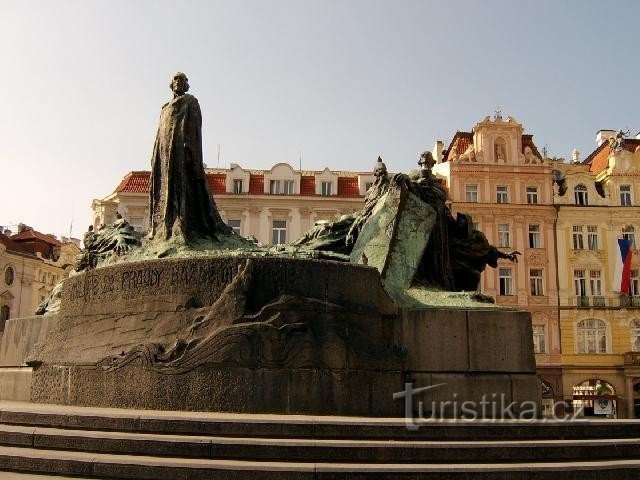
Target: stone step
306, 426
145, 467
281, 449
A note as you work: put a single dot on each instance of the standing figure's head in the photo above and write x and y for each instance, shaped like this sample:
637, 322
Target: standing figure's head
179, 84
380, 170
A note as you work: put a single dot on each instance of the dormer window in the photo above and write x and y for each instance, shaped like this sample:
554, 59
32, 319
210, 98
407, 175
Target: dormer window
274, 187
581, 195
288, 187
326, 189
237, 186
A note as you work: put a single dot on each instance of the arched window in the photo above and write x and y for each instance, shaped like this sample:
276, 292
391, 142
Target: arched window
634, 327
591, 336
581, 195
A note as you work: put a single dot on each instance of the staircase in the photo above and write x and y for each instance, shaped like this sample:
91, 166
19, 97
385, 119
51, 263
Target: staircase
141, 444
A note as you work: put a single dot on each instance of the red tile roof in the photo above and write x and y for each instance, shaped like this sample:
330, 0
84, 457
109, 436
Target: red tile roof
308, 185
348, 187
135, 182
30, 235
138, 182
459, 144
527, 141
13, 246
217, 183
598, 160
256, 184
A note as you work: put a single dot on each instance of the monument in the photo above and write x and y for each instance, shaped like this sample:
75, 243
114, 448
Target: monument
195, 317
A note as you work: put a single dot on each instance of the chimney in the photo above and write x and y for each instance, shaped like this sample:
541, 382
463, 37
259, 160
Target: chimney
575, 156
604, 136
438, 151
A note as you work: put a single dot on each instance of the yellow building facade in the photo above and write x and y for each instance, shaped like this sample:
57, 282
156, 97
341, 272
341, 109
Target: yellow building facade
598, 202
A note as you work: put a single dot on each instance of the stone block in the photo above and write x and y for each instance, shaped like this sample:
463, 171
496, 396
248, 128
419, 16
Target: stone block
436, 340
500, 341
21, 334
479, 394
15, 384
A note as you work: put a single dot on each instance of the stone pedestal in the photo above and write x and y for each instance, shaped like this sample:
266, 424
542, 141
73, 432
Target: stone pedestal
269, 335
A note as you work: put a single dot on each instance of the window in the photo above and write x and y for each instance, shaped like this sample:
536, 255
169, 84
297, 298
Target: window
532, 195
535, 282
634, 285
326, 189
237, 186
367, 186
534, 236
288, 187
595, 284
9, 276
634, 328
580, 284
502, 194
538, 339
504, 239
629, 233
625, 195
580, 195
4, 316
475, 226
592, 336
578, 240
506, 281
274, 187
279, 232
235, 225
592, 237
471, 193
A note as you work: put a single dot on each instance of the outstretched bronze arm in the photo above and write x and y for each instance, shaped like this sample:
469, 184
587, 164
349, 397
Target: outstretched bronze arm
513, 256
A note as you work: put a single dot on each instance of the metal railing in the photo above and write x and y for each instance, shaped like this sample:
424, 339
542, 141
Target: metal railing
602, 301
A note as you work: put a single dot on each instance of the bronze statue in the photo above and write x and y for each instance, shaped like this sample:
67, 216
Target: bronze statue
180, 201
456, 253
378, 189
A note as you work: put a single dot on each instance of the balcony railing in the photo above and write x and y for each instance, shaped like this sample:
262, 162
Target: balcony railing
602, 301
632, 358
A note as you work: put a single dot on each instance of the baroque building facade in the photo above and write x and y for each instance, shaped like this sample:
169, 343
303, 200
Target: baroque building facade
31, 264
275, 206
496, 173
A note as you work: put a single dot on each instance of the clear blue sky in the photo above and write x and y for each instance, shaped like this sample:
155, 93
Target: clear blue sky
341, 81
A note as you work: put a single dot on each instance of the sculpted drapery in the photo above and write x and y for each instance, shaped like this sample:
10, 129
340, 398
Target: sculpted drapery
180, 203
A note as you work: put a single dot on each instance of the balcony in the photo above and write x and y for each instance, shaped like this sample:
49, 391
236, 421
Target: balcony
601, 301
632, 358
630, 301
